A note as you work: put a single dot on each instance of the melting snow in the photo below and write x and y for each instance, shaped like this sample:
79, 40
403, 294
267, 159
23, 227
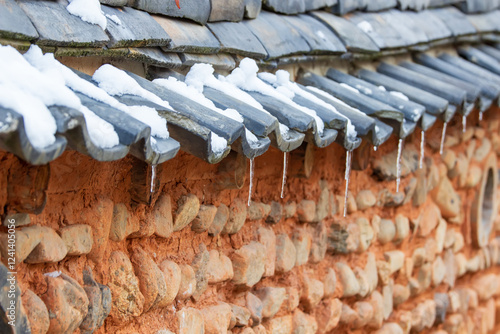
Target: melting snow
89, 11
218, 144
352, 89
382, 88
399, 95
364, 90
114, 19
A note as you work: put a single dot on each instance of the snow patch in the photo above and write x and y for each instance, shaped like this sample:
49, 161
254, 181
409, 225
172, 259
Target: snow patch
217, 143
53, 274
114, 19
399, 95
89, 11
364, 90
365, 26
352, 89
382, 88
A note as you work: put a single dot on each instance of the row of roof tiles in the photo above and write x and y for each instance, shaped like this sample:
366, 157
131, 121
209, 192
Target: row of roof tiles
169, 42
427, 89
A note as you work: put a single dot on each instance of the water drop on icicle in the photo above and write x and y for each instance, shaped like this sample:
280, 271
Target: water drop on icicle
464, 123
153, 176
443, 136
480, 116
347, 178
422, 152
250, 188
398, 164
283, 180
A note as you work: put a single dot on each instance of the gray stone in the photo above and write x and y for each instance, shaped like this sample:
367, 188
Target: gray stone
385, 166
219, 268
240, 315
255, 306
322, 207
14, 24
187, 36
36, 311
258, 211
237, 217
421, 190
304, 323
330, 282
402, 228
116, 3
320, 241
317, 4
286, 254
63, 29
276, 213
77, 238
187, 282
312, 293
17, 219
190, 321
446, 198
216, 319
289, 209
99, 303
252, 8
285, 7
401, 293
227, 10
249, 264
154, 57
198, 11
172, 274
343, 239
50, 249
271, 298
442, 304
118, 229
366, 234
220, 220
200, 267
136, 28
365, 199
204, 219
187, 210
219, 61
364, 285
306, 211
268, 239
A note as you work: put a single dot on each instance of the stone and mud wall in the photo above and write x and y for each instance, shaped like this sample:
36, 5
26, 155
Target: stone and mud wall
100, 250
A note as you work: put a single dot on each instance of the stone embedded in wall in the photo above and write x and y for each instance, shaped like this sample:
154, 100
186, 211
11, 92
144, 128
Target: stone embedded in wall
280, 325
350, 285
400, 294
343, 239
328, 314
268, 239
390, 328
66, 302
377, 302
402, 228
204, 219
420, 195
200, 266
220, 220
77, 238
127, 298
26, 240
364, 286
99, 303
187, 210
323, 205
219, 268
17, 219
365, 199
319, 245
306, 211
438, 271
387, 231
385, 167
366, 234
286, 254
190, 321
36, 311
429, 217
371, 272
99, 217
330, 282
387, 297
237, 217
249, 264
395, 259
172, 274
272, 299
151, 280
216, 318
240, 316
302, 240
304, 323
486, 286
482, 151
162, 215
118, 228
275, 214
410, 190
254, 306
188, 282
50, 249
289, 209
312, 292
424, 315
383, 271
446, 198
258, 211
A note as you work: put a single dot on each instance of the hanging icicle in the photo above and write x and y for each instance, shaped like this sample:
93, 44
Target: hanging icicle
422, 152
285, 167
443, 137
375, 148
464, 123
153, 177
347, 178
398, 164
480, 116
250, 188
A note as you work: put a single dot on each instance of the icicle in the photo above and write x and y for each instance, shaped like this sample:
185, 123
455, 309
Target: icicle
153, 176
285, 166
480, 116
398, 164
347, 178
375, 148
443, 136
464, 123
422, 145
251, 182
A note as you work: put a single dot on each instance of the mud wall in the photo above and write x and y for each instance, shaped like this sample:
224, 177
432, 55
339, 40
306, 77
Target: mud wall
197, 257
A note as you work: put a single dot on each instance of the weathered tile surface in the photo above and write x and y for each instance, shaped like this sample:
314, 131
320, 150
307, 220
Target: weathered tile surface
237, 38
227, 10
285, 7
14, 23
380, 31
317, 4
196, 10
136, 28
57, 27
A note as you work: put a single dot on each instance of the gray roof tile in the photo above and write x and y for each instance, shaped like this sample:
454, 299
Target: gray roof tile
227, 10
285, 7
14, 24
57, 27
196, 10
380, 31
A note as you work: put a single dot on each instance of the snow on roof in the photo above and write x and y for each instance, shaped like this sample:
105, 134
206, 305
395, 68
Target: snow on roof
89, 11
